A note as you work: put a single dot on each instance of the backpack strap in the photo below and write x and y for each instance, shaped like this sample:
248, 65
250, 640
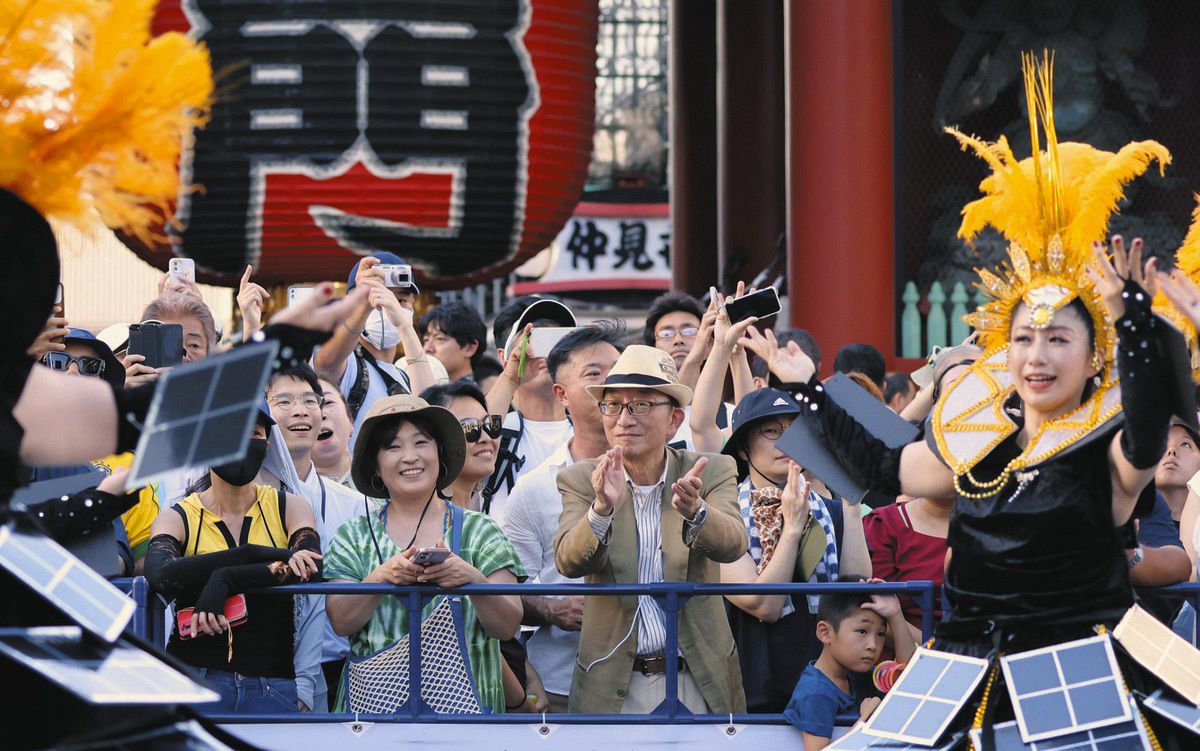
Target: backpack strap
394, 387
508, 463
358, 392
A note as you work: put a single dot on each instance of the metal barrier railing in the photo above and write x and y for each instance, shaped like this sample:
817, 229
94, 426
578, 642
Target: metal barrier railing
149, 623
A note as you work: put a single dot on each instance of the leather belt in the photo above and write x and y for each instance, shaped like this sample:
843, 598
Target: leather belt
655, 665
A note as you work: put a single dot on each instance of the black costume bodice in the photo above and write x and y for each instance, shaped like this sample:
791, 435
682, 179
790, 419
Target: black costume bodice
1042, 552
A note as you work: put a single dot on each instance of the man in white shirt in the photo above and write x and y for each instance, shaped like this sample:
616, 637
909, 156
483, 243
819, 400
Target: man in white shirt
581, 359
538, 425
294, 396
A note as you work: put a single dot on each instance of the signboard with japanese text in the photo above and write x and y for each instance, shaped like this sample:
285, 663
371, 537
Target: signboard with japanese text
456, 135
610, 246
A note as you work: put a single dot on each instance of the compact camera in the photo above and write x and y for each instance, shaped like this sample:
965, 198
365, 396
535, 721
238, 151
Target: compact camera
396, 275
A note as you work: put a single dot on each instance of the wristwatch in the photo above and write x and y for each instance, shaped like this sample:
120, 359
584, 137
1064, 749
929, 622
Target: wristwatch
1138, 555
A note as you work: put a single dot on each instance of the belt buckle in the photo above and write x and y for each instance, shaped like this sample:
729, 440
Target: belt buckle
648, 662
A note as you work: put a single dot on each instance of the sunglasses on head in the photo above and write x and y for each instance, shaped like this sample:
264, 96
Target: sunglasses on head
88, 365
473, 427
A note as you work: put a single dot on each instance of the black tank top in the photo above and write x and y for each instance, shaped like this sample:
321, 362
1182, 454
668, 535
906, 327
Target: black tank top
1042, 555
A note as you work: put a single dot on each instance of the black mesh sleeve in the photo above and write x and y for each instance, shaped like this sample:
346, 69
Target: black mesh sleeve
169, 572
1145, 392
78, 515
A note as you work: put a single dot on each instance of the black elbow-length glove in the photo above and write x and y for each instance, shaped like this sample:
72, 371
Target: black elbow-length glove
1145, 388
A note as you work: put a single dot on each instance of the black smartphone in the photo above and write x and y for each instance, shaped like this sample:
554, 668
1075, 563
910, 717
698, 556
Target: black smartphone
760, 304
160, 343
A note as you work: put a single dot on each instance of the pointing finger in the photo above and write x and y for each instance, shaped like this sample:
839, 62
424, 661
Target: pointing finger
246, 275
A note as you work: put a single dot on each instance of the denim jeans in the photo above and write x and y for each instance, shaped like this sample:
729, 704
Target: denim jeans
248, 694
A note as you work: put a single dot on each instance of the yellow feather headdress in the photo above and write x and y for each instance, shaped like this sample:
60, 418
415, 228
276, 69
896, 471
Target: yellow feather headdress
1051, 207
94, 112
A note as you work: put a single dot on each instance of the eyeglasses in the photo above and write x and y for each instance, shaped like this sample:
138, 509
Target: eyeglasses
687, 332
308, 400
637, 409
474, 428
772, 430
88, 365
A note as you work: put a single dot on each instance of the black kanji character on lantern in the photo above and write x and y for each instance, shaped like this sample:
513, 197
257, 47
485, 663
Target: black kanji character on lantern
632, 247
265, 122
446, 91
587, 243
665, 250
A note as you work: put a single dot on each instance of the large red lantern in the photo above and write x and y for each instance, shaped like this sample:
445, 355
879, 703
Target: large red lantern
455, 134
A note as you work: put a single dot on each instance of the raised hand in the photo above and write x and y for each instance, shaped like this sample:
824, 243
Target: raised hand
794, 500
137, 372
1109, 275
686, 490
312, 313
1183, 292
607, 481
251, 300
51, 338
789, 364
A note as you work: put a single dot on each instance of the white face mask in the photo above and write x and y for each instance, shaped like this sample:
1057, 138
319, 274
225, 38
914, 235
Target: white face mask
380, 331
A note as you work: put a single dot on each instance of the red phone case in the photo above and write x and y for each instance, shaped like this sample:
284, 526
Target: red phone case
235, 613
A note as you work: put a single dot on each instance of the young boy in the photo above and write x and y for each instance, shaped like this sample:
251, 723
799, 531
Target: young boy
851, 628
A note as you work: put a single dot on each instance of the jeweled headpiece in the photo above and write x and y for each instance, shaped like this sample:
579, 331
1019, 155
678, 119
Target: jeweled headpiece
1051, 207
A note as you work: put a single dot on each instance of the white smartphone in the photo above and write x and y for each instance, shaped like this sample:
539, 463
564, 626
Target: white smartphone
541, 341
298, 292
182, 269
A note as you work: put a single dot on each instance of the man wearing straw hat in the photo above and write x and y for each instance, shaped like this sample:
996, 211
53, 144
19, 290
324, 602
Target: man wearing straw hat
644, 513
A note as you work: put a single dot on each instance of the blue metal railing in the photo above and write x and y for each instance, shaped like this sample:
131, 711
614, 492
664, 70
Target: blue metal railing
149, 623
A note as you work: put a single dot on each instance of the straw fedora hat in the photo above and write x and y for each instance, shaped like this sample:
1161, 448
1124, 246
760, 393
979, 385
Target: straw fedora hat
448, 433
642, 367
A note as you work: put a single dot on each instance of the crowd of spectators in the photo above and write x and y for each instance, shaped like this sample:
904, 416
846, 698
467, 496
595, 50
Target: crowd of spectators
415, 451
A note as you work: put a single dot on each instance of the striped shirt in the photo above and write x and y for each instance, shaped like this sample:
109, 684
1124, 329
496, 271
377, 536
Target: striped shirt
647, 512
352, 555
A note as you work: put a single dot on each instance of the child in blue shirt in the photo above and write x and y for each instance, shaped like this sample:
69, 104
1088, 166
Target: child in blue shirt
851, 628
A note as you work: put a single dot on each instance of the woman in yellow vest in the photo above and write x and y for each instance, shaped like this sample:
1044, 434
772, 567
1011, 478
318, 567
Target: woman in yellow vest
214, 545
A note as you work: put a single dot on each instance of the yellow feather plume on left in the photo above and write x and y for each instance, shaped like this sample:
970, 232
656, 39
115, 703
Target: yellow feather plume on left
94, 112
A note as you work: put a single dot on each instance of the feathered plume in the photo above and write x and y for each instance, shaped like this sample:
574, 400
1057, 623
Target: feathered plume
94, 112
1051, 206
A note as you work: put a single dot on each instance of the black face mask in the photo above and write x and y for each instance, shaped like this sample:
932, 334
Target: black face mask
243, 471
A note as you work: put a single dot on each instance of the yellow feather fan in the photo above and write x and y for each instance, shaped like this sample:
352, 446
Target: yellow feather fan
94, 112
1051, 206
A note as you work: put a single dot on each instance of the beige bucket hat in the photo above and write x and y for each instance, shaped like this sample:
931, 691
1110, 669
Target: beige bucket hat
642, 367
449, 435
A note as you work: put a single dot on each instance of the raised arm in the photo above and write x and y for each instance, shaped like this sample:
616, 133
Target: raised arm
706, 401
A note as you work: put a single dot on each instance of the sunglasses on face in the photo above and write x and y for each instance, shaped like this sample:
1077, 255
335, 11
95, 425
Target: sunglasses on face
473, 428
88, 365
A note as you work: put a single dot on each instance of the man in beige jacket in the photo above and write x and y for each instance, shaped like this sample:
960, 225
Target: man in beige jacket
644, 513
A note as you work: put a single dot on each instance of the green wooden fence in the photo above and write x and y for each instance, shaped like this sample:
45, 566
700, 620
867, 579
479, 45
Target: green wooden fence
943, 325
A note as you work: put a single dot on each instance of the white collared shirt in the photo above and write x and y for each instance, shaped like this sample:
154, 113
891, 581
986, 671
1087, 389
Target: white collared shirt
534, 507
647, 511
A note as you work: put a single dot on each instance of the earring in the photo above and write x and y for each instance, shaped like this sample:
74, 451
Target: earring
377, 482
1096, 379
443, 470
1097, 363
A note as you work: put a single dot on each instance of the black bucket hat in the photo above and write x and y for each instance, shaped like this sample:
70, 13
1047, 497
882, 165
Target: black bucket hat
757, 405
